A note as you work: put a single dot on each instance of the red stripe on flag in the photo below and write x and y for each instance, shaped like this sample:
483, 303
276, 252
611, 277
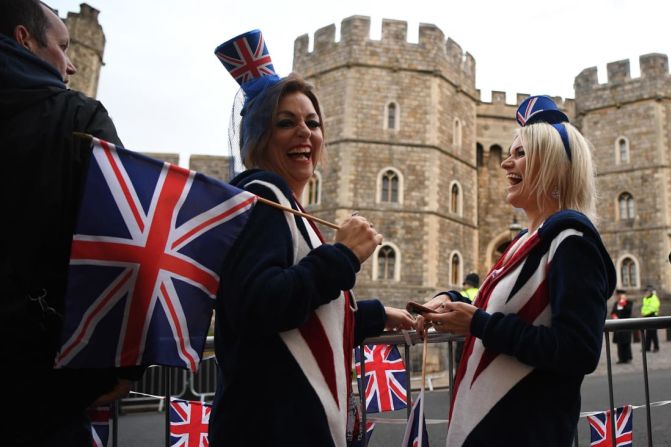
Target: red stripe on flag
315, 336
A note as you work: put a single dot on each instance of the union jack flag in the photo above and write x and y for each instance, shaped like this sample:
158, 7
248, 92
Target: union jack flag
188, 423
523, 117
415, 432
149, 241
246, 57
601, 429
385, 379
100, 425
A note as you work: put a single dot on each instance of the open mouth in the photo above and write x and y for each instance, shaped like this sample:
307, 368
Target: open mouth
514, 179
303, 154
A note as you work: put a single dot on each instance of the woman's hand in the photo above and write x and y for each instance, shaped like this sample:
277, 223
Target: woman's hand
357, 234
453, 317
399, 319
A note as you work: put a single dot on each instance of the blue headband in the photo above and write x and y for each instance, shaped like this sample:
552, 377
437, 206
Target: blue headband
542, 109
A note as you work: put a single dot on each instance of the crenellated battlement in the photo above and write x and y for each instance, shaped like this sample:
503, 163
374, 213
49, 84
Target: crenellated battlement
620, 88
431, 54
499, 107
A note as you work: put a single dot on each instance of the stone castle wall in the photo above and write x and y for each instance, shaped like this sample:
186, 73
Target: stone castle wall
639, 110
433, 84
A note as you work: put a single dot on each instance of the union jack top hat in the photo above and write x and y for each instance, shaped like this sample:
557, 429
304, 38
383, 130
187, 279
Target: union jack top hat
542, 109
247, 59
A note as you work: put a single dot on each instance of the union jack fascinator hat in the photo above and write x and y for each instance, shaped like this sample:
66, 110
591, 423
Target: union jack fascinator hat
542, 109
247, 59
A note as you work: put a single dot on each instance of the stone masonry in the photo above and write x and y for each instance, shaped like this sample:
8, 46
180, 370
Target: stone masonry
432, 85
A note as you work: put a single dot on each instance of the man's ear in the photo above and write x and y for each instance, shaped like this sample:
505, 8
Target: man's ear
23, 37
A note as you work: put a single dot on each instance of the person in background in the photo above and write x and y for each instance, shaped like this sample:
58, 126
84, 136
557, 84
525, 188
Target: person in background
622, 309
286, 323
650, 308
40, 193
536, 327
471, 284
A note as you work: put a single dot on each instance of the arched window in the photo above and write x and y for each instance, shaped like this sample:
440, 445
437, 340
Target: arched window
622, 150
455, 198
391, 120
456, 134
387, 263
312, 194
627, 206
455, 268
390, 186
629, 273
479, 154
495, 156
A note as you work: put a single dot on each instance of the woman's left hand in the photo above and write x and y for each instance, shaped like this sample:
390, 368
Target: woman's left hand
454, 318
398, 319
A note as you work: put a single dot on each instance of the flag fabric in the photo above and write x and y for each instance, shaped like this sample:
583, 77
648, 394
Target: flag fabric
100, 425
385, 379
246, 57
601, 432
415, 432
149, 241
189, 422
363, 442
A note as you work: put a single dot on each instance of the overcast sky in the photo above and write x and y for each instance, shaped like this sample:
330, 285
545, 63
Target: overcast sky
167, 92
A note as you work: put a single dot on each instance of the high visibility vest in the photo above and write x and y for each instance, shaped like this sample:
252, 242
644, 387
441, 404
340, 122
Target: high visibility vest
470, 293
650, 307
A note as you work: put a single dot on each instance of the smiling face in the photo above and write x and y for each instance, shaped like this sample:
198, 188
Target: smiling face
518, 194
296, 141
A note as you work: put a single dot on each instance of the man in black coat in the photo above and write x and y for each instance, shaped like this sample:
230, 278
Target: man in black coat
622, 309
41, 184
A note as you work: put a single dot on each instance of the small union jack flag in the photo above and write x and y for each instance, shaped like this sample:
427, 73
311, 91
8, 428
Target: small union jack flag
189, 422
100, 425
415, 432
385, 378
601, 429
149, 241
246, 57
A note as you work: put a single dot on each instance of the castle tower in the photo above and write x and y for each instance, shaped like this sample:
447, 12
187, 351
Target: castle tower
400, 132
87, 45
497, 221
628, 120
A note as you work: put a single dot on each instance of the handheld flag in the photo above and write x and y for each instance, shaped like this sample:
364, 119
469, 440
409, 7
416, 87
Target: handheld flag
415, 431
601, 432
149, 241
189, 423
100, 425
365, 440
385, 379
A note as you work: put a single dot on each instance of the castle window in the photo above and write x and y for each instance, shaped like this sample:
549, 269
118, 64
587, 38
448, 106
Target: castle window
456, 135
621, 150
391, 121
626, 205
479, 154
455, 269
629, 273
312, 194
390, 186
456, 198
387, 263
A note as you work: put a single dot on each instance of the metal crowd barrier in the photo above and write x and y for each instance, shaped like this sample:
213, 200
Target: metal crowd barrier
171, 382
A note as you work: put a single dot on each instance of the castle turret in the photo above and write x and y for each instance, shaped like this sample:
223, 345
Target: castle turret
400, 128
87, 45
628, 120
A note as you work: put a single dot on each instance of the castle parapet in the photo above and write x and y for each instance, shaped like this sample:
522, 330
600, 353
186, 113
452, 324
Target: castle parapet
498, 107
654, 82
431, 55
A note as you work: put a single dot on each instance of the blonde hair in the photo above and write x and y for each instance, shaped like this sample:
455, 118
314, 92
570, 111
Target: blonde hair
550, 171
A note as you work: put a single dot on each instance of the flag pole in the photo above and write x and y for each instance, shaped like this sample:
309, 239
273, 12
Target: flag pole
85, 136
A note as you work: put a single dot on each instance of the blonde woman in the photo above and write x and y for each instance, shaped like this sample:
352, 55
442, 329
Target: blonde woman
536, 327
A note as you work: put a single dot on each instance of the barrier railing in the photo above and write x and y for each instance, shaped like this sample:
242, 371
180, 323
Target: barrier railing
162, 383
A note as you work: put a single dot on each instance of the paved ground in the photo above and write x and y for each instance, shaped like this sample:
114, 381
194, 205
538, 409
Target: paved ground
147, 429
